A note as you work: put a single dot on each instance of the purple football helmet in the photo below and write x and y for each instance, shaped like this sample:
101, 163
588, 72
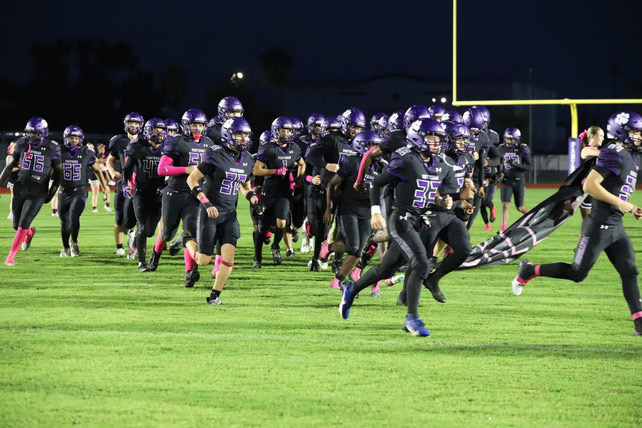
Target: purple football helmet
229, 107
265, 137
284, 124
332, 124
379, 123
364, 140
395, 121
297, 125
353, 121
190, 117
150, 133
452, 116
486, 114
458, 138
437, 112
414, 113
512, 135
73, 131
315, 119
236, 133
622, 124
37, 130
172, 127
420, 129
474, 119
135, 118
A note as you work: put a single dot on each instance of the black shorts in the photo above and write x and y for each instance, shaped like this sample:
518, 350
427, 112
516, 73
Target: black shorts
275, 207
28, 199
224, 229
179, 206
125, 214
514, 186
354, 232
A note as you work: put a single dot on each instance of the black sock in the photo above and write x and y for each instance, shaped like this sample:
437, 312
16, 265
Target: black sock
119, 246
215, 294
278, 237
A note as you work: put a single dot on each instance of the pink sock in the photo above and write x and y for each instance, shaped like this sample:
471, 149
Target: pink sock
30, 232
21, 234
160, 245
189, 261
217, 263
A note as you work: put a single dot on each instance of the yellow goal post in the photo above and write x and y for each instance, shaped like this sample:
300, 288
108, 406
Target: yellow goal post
572, 103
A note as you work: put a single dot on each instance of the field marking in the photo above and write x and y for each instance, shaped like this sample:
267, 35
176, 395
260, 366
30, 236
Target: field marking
352, 341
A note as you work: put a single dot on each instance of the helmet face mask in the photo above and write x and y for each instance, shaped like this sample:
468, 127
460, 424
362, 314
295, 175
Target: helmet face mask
194, 123
36, 130
425, 136
353, 121
172, 127
282, 130
237, 134
133, 123
229, 107
512, 137
73, 137
316, 125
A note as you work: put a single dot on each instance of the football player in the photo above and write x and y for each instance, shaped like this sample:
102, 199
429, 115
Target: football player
125, 216
180, 155
37, 157
76, 163
225, 169
416, 173
277, 162
227, 108
516, 160
141, 171
611, 183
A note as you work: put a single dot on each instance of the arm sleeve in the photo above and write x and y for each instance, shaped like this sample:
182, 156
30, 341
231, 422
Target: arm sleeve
165, 168
363, 166
380, 180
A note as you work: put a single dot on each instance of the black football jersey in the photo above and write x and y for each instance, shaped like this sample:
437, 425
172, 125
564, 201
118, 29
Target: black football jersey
36, 162
353, 202
417, 181
75, 166
461, 169
275, 157
620, 171
184, 151
519, 154
146, 160
394, 141
330, 148
117, 148
224, 173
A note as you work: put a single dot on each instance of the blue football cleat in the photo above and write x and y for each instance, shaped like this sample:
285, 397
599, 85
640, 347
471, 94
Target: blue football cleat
416, 326
347, 299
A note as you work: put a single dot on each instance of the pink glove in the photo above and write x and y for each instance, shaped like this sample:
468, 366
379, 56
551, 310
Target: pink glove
292, 182
281, 172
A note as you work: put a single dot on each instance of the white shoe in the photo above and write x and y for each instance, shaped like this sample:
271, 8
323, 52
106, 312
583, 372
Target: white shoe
518, 288
120, 251
10, 216
54, 214
108, 209
95, 210
75, 252
305, 245
65, 253
323, 265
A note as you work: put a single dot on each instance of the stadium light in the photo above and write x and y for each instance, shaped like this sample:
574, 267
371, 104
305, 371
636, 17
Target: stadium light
434, 100
443, 99
237, 77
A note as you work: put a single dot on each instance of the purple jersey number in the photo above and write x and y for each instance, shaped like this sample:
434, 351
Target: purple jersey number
72, 171
508, 157
37, 161
425, 193
194, 159
628, 187
231, 183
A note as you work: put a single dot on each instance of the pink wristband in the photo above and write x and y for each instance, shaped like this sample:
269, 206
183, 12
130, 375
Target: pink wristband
309, 179
205, 201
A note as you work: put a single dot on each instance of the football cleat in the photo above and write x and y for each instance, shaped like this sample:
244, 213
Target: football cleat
27, 242
107, 208
347, 299
65, 252
257, 264
504, 227
525, 272
415, 326
289, 254
75, 252
435, 290
323, 265
120, 251
142, 267
213, 301
9, 262
314, 266
376, 290
95, 210
154, 261
276, 256
192, 277
175, 247
489, 228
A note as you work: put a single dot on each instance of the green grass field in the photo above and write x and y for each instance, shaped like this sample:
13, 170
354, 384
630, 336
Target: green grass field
90, 341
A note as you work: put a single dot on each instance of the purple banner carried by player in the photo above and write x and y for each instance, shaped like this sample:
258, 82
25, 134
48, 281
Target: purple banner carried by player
535, 226
574, 149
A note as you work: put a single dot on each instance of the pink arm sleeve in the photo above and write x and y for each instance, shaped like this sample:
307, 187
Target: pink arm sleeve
363, 166
165, 168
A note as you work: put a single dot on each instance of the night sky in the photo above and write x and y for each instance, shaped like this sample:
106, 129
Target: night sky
580, 49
